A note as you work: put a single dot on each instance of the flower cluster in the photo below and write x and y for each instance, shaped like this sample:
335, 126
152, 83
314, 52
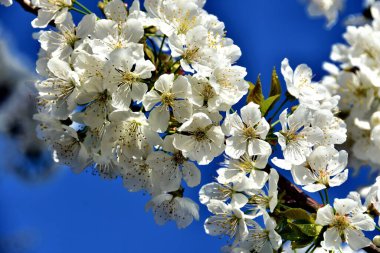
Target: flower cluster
348, 217
356, 80
148, 95
138, 95
247, 188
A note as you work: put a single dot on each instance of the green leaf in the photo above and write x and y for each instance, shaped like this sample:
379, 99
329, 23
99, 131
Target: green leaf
149, 53
255, 92
302, 243
275, 86
292, 233
268, 103
298, 214
309, 229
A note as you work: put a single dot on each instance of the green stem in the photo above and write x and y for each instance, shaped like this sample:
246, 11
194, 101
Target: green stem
327, 197
279, 108
83, 7
310, 248
275, 123
158, 59
77, 10
377, 227
322, 199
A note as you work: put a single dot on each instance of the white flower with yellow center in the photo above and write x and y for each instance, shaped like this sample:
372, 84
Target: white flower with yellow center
127, 134
174, 17
326, 167
168, 96
57, 93
228, 220
299, 84
297, 136
237, 169
125, 74
344, 225
195, 55
49, 10
247, 133
169, 166
62, 43
199, 139
168, 207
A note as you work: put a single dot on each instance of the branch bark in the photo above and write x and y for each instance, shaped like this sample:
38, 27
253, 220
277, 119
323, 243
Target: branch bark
372, 249
295, 197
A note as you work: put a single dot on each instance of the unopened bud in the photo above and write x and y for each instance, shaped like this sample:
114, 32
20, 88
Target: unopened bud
375, 119
376, 240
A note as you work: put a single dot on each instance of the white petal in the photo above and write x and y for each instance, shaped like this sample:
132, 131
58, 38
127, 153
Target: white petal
191, 174
159, 119
250, 114
332, 238
325, 215
356, 239
344, 206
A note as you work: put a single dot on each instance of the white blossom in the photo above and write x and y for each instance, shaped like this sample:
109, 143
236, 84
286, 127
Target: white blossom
168, 94
199, 139
167, 207
297, 136
50, 10
326, 167
344, 225
247, 133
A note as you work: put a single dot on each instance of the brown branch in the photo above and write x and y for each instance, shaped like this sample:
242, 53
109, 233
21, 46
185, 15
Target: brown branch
372, 249
295, 197
28, 6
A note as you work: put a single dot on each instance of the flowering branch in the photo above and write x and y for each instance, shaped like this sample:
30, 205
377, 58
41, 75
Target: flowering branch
148, 96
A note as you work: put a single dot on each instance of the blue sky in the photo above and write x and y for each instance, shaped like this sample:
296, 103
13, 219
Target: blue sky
83, 213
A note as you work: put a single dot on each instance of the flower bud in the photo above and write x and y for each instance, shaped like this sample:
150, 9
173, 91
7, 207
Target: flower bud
376, 240
375, 119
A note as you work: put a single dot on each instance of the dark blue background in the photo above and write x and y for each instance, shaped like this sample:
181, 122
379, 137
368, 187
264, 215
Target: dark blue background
82, 213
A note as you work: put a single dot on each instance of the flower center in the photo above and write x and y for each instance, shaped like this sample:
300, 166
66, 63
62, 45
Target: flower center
208, 92
250, 132
178, 158
191, 54
323, 176
340, 222
200, 135
127, 77
167, 98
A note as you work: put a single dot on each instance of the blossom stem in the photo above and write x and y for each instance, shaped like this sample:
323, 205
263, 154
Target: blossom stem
78, 10
327, 197
83, 7
322, 199
274, 123
279, 109
377, 227
311, 247
161, 46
